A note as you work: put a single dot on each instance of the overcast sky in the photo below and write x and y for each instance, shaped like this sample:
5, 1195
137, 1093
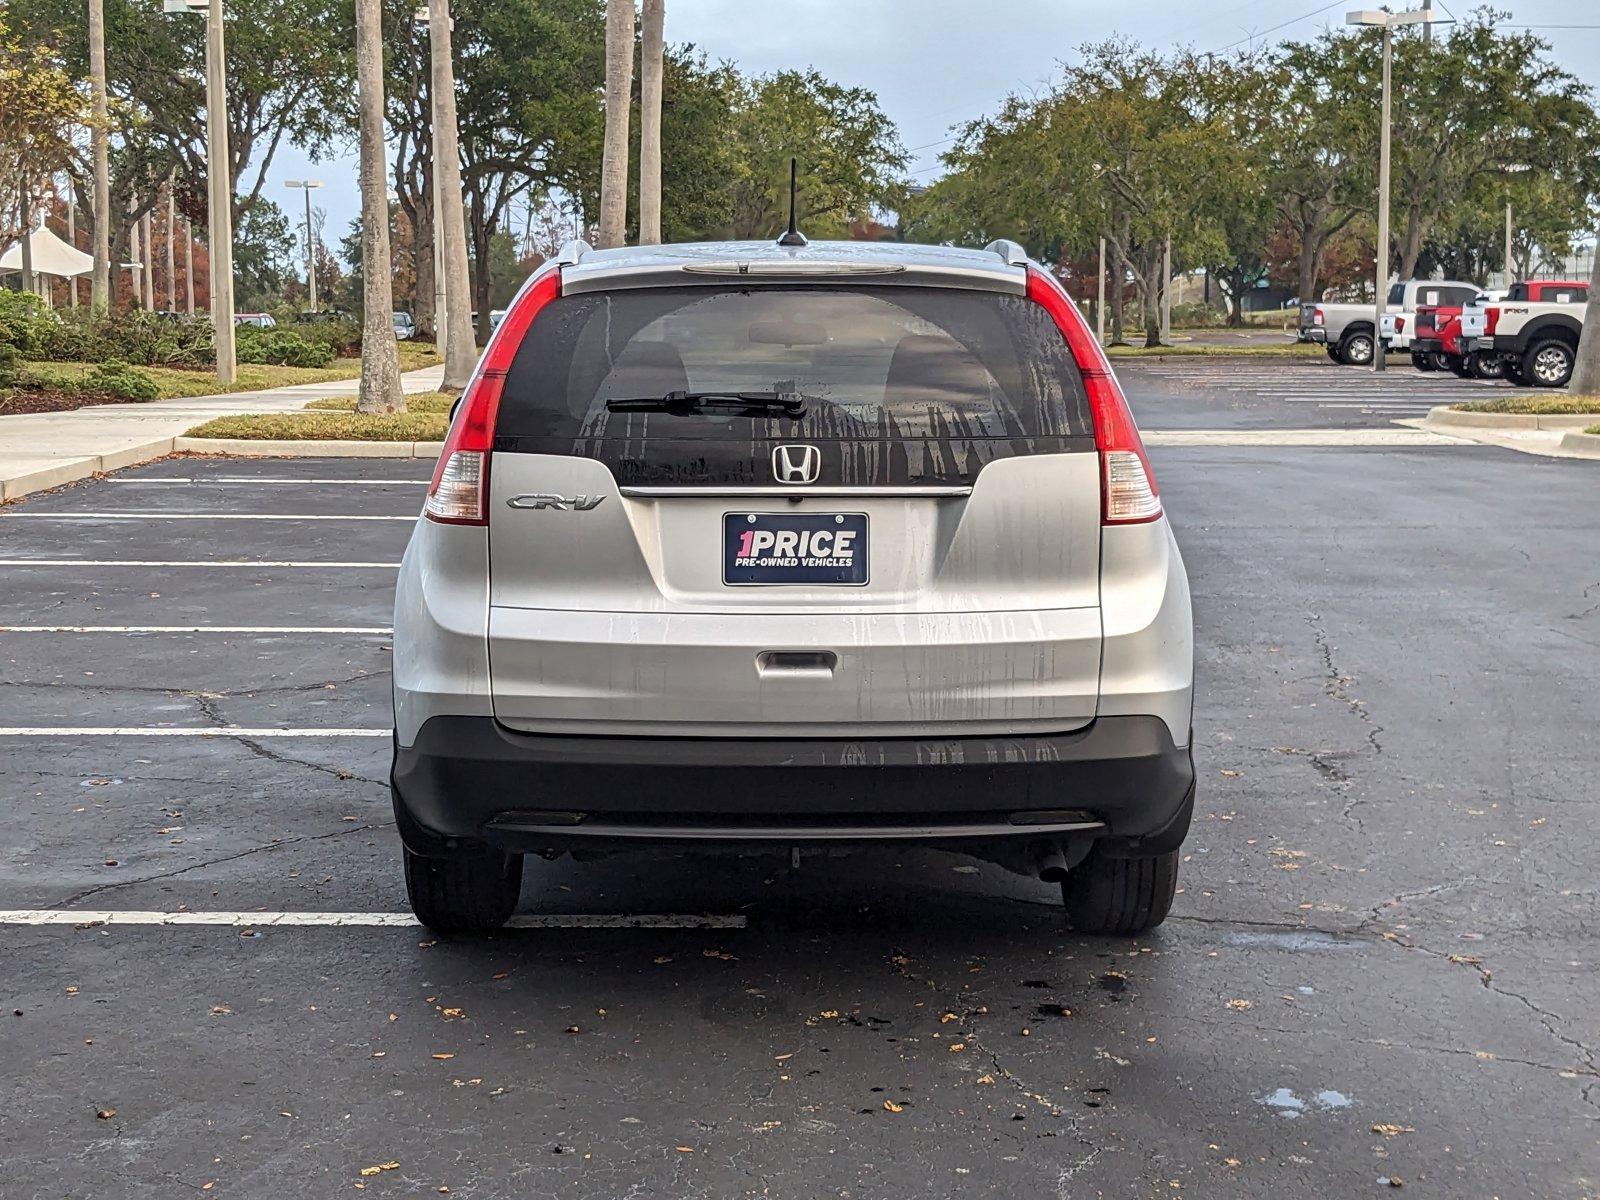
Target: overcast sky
937, 62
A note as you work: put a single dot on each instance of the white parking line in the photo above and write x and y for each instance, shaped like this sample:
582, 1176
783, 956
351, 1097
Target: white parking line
219, 562
260, 920
253, 629
214, 731
218, 516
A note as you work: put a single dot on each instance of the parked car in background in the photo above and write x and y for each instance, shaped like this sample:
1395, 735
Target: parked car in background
259, 320
736, 544
404, 327
1349, 332
1534, 331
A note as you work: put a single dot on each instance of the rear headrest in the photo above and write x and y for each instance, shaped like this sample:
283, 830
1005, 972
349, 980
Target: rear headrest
647, 369
929, 370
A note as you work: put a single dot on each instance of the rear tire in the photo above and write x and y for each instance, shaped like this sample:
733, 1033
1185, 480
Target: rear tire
1457, 366
466, 894
1485, 366
1120, 896
1333, 353
1511, 372
1356, 349
1548, 364
1423, 362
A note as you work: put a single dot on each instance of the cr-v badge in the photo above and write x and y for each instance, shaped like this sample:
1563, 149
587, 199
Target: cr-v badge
796, 464
548, 500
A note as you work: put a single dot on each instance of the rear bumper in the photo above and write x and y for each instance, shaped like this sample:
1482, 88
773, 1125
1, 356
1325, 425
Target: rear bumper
469, 781
1314, 334
1427, 345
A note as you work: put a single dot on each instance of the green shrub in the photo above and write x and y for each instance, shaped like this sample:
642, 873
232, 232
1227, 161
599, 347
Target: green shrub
342, 337
117, 378
281, 348
1198, 315
8, 366
132, 337
25, 321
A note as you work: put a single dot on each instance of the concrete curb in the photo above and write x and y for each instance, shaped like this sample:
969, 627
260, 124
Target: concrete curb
1444, 415
1580, 444
70, 470
265, 448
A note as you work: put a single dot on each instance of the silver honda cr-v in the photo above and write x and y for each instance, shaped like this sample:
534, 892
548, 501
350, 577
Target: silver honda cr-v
751, 545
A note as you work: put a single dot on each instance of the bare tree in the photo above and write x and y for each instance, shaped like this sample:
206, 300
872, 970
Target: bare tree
380, 357
650, 71
1586, 373
461, 351
100, 148
619, 94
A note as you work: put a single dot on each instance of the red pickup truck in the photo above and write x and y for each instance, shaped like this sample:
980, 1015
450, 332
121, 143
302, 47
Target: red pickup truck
1437, 344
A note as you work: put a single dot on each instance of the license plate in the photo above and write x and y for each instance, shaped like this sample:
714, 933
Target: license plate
815, 548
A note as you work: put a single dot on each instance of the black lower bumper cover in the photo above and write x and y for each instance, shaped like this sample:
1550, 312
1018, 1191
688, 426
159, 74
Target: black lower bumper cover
468, 782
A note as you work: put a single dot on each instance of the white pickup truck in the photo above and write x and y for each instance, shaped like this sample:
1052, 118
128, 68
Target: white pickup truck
1348, 329
1399, 326
1533, 332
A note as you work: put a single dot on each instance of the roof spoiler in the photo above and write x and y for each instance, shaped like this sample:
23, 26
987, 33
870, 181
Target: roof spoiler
573, 251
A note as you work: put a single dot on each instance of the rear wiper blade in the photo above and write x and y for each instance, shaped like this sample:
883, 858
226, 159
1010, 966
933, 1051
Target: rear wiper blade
790, 404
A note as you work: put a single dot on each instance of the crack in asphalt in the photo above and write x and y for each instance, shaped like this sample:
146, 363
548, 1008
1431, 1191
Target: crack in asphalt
276, 844
967, 1016
1337, 681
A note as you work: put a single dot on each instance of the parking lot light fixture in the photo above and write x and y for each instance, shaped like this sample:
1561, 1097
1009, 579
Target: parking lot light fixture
1388, 22
311, 253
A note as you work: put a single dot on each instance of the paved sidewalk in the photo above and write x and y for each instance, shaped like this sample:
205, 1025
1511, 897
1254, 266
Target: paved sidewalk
45, 450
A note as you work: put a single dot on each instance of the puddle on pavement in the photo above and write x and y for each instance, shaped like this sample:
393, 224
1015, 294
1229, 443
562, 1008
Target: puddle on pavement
1289, 1106
1299, 940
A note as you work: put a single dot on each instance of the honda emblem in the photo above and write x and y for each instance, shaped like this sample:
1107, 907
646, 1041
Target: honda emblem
796, 464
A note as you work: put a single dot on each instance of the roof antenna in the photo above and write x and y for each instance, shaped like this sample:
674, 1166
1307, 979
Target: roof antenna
792, 236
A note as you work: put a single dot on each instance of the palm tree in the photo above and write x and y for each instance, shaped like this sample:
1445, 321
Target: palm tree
1586, 372
650, 71
99, 141
380, 357
619, 93
461, 351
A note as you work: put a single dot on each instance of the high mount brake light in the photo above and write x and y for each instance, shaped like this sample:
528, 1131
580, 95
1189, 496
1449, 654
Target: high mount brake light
1128, 493
459, 493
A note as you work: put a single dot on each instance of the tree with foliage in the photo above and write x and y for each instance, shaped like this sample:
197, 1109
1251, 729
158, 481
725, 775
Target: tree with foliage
289, 82
849, 152
40, 111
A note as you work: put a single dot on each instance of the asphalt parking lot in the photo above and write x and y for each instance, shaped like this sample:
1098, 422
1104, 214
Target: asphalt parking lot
1381, 966
1290, 393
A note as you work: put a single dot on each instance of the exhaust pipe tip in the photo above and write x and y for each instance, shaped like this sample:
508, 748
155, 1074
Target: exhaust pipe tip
1052, 865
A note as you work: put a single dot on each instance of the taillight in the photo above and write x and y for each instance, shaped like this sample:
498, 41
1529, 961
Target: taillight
1491, 318
1127, 485
1399, 324
1317, 318
459, 493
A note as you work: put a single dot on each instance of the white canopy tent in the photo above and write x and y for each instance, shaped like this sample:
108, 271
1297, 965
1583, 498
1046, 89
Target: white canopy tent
51, 256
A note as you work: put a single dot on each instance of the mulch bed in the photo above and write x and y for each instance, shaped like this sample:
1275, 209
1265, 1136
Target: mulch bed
44, 400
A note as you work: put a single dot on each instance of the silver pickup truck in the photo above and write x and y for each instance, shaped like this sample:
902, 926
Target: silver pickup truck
1348, 331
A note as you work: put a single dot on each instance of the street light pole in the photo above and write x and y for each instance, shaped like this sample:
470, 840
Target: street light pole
1388, 22
1380, 352
311, 259
1100, 299
1508, 243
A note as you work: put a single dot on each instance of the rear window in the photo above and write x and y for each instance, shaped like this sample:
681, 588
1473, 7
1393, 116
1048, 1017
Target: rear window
873, 363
